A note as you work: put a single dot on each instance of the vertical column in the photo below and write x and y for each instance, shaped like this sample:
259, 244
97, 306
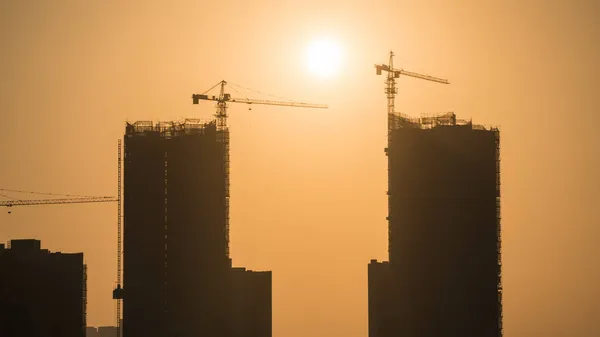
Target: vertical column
166, 233
499, 234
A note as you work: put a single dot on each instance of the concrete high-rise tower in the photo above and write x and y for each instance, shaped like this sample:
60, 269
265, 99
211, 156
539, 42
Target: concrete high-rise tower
175, 232
178, 279
443, 277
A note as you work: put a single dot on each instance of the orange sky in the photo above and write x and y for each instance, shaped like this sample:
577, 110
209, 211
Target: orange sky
308, 186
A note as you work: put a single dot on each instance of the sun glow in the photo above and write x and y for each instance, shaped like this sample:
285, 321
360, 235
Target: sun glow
324, 58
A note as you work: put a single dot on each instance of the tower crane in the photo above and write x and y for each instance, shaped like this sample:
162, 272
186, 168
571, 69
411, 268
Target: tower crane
224, 98
392, 75
55, 201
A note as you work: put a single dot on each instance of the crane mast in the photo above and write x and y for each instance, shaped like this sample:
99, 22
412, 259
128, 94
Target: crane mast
222, 108
391, 89
118, 292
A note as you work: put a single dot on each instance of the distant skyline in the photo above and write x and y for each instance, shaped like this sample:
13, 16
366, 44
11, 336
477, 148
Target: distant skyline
308, 187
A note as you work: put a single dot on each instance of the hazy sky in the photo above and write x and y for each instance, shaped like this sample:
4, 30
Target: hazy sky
308, 186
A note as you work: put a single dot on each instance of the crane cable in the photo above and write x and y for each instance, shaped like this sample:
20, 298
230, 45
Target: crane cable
214, 86
233, 85
44, 193
260, 92
234, 89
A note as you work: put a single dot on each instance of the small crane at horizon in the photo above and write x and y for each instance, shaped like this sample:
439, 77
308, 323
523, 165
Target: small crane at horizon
65, 199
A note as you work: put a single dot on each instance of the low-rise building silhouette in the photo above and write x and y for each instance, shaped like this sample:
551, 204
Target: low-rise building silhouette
41, 293
250, 296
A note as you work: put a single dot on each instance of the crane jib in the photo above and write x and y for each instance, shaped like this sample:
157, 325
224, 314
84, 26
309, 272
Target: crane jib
29, 202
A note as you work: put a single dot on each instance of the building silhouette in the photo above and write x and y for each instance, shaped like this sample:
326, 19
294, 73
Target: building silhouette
250, 305
41, 293
177, 270
443, 277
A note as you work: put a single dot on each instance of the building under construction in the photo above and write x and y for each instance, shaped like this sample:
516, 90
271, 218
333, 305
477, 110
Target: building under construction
41, 293
177, 269
443, 277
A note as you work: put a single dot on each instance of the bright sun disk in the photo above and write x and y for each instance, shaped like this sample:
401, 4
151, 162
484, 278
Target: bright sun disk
324, 58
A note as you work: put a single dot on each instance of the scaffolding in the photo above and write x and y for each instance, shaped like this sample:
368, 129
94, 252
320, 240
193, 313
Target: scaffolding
430, 121
499, 233
84, 299
223, 136
188, 126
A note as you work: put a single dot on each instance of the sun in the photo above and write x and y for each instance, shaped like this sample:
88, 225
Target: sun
324, 58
